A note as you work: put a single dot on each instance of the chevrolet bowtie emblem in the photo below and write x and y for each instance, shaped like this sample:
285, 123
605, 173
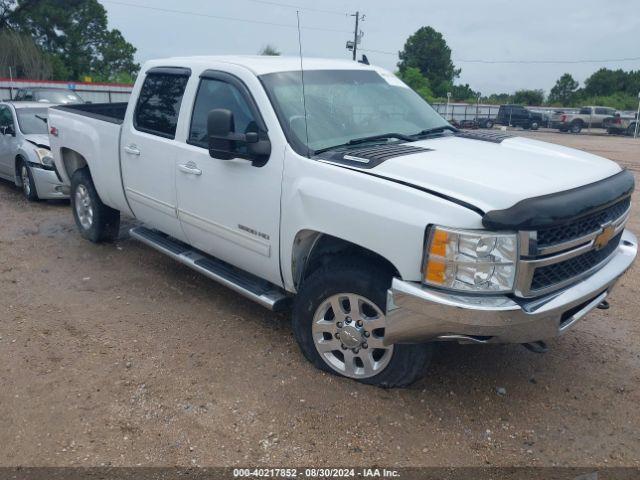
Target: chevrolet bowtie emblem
603, 239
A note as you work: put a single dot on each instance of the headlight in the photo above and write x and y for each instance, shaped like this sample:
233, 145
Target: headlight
471, 261
45, 157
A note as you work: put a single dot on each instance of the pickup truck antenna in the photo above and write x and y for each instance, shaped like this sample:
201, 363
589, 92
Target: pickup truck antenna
304, 100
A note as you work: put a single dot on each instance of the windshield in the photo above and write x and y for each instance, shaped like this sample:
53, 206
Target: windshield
58, 96
31, 120
344, 105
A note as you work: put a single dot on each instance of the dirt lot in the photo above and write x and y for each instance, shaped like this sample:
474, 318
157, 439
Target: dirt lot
116, 355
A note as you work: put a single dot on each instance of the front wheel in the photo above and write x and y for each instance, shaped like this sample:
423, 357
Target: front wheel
576, 127
339, 323
28, 185
96, 221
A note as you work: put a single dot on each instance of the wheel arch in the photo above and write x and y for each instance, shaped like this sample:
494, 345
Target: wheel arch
72, 161
313, 249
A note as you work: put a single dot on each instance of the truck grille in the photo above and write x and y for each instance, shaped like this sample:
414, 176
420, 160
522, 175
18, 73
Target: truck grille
556, 273
563, 254
583, 226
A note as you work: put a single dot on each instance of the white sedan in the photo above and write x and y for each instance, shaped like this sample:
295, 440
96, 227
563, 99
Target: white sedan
25, 156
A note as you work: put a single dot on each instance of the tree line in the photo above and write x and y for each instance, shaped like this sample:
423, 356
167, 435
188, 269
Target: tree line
63, 40
426, 66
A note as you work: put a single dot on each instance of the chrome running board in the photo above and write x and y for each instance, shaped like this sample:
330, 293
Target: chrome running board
244, 283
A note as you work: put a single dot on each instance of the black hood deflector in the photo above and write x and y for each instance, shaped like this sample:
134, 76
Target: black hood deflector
557, 208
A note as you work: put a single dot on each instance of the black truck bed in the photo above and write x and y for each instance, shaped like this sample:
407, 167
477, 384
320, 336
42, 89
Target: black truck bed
109, 112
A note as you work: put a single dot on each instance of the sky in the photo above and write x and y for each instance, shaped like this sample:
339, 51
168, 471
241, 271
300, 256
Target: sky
488, 30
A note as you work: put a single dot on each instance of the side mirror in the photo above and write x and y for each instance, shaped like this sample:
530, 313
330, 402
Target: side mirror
226, 144
8, 130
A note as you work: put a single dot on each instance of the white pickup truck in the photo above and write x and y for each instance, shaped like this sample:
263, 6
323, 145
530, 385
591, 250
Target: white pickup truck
348, 199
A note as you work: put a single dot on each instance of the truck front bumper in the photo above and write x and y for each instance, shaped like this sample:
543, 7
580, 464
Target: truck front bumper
417, 314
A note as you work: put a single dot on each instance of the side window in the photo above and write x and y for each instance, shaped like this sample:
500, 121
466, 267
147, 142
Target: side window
214, 94
602, 111
6, 119
27, 95
159, 104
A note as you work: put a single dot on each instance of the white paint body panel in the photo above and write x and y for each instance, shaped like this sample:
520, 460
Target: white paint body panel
291, 194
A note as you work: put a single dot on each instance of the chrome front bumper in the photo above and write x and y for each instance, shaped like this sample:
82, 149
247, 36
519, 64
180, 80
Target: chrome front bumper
419, 314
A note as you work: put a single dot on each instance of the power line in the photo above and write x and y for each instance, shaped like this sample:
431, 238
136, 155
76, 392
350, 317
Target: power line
559, 62
220, 17
308, 9
532, 62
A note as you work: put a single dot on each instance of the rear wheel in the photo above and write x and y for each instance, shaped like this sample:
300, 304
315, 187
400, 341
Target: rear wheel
576, 127
96, 221
631, 130
28, 185
339, 323
488, 124
534, 126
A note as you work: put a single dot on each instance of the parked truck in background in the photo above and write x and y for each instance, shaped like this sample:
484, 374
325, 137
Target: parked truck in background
351, 202
621, 124
518, 116
587, 117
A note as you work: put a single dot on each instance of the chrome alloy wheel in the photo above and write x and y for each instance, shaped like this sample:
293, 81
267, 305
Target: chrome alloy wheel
348, 330
26, 182
83, 206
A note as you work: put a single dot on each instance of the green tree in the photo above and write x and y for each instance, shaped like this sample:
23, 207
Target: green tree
605, 82
74, 34
564, 91
269, 50
414, 79
528, 97
428, 51
463, 92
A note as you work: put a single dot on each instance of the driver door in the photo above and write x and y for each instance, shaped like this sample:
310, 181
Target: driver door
7, 142
230, 208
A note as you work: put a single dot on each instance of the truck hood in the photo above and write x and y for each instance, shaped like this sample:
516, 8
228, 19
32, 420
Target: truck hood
494, 176
38, 140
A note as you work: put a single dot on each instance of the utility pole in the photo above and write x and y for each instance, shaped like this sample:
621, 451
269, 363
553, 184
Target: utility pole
10, 84
635, 133
357, 35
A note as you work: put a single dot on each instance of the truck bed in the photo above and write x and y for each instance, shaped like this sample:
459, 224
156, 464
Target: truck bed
91, 132
108, 112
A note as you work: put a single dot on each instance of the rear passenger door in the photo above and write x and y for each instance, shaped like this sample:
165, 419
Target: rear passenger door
148, 149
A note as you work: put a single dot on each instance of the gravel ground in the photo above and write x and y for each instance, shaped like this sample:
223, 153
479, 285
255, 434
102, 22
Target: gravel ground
115, 355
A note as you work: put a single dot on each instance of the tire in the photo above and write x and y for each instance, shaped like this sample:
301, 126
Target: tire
576, 127
534, 126
316, 323
29, 189
96, 221
631, 130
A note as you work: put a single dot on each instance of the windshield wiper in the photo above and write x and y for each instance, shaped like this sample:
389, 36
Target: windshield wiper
44, 119
439, 129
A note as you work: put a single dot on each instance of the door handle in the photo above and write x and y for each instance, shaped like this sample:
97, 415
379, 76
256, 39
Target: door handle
132, 150
190, 168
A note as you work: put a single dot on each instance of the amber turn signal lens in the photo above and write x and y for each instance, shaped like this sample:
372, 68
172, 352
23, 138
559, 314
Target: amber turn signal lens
439, 243
436, 272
